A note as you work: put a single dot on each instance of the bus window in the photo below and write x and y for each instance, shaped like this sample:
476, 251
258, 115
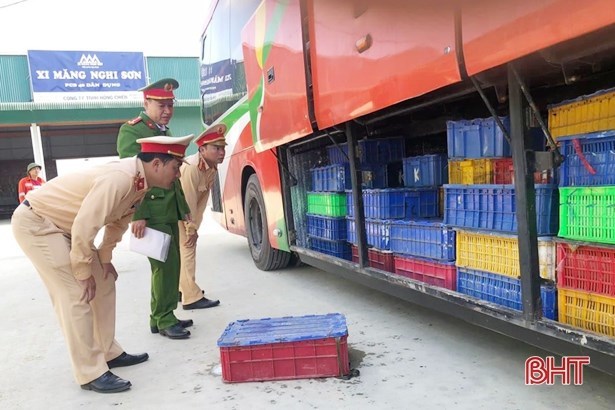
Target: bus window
222, 68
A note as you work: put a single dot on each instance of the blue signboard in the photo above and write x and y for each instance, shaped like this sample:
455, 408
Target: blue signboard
217, 79
85, 71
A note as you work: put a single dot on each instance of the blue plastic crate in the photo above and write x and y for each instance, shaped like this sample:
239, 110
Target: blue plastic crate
332, 178
397, 203
596, 164
427, 239
374, 151
326, 227
378, 233
493, 207
425, 171
478, 138
339, 249
502, 290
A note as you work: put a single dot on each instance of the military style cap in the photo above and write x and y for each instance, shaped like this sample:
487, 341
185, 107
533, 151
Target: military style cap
161, 89
212, 135
175, 146
32, 165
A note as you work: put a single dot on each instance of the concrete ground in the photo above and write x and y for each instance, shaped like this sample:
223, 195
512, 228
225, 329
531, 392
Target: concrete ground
409, 357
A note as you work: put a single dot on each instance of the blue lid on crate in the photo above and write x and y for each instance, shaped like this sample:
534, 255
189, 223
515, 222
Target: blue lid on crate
581, 98
252, 332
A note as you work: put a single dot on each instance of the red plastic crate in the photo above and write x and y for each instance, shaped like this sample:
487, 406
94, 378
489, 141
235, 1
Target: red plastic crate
377, 259
429, 271
284, 348
587, 268
503, 173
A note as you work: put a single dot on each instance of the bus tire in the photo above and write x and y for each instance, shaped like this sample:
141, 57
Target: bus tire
265, 257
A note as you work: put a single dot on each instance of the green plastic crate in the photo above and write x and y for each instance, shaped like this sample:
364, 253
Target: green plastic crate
587, 213
326, 204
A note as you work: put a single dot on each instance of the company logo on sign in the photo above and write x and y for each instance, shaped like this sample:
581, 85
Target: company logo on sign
89, 61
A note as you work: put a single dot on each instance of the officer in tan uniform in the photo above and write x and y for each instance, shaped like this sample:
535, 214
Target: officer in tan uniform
56, 226
197, 177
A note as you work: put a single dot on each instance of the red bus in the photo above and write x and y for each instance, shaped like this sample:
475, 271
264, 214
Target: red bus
300, 81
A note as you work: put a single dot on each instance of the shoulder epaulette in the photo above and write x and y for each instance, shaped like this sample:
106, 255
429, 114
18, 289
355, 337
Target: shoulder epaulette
135, 121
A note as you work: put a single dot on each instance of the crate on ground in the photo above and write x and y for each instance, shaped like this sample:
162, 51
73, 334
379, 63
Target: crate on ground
494, 207
502, 290
378, 232
504, 173
284, 348
427, 239
586, 268
586, 310
326, 204
372, 151
478, 138
589, 160
382, 260
470, 171
430, 271
425, 171
588, 113
339, 249
588, 214
499, 253
326, 227
397, 203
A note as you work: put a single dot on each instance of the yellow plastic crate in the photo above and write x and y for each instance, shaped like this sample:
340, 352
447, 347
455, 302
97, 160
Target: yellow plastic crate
470, 171
586, 311
589, 113
500, 254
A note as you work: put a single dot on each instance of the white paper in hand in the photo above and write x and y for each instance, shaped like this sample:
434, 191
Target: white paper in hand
154, 244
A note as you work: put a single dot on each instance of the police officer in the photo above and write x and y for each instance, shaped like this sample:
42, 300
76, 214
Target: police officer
56, 226
197, 177
161, 209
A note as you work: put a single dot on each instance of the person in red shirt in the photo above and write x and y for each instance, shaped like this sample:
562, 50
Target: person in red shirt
30, 182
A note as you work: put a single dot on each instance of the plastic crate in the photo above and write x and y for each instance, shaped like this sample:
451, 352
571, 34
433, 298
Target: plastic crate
497, 253
502, 290
284, 348
586, 268
336, 178
504, 173
325, 227
326, 204
432, 272
470, 171
378, 232
477, 138
587, 213
587, 311
397, 203
373, 151
382, 260
427, 239
339, 249
588, 113
589, 160
493, 207
425, 171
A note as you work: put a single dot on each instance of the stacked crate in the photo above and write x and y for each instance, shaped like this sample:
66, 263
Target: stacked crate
585, 131
480, 204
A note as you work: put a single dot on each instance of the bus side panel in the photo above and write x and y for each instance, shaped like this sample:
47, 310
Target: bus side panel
275, 74
412, 53
497, 32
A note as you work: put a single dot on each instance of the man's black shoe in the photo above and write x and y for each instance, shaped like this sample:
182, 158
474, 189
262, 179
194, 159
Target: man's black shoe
202, 304
175, 332
182, 323
126, 359
107, 383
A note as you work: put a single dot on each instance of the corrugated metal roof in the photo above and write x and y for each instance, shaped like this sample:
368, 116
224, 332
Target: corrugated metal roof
15, 79
183, 69
71, 105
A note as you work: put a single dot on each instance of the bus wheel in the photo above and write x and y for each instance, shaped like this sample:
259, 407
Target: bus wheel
265, 257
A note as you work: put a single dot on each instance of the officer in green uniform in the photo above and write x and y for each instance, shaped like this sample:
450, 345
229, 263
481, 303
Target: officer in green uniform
161, 209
